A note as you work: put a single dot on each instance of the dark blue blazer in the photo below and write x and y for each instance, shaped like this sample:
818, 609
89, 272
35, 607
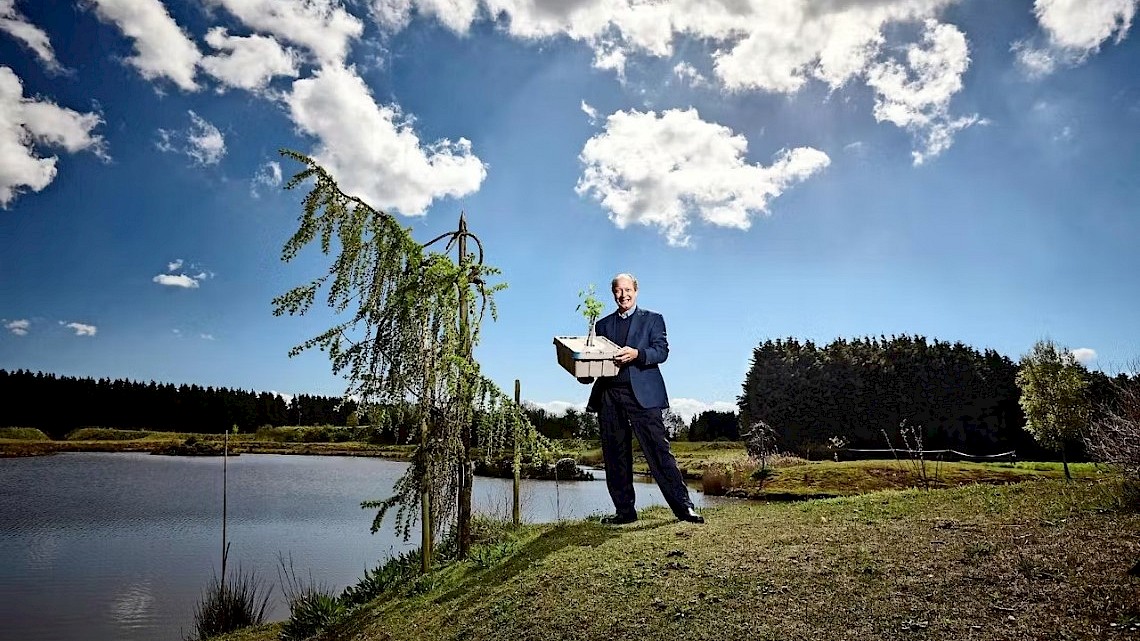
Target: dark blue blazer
647, 336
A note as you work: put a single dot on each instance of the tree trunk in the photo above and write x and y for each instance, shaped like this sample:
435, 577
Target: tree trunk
516, 513
426, 536
466, 471
1065, 462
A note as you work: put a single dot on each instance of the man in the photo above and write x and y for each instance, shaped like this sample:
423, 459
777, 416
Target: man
631, 404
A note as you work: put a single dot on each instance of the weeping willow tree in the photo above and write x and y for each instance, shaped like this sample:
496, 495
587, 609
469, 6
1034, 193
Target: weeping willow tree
408, 320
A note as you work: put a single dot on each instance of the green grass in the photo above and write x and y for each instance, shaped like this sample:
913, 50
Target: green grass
1043, 559
739, 476
23, 434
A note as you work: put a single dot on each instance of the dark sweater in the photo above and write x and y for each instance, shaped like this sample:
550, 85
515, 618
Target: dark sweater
621, 339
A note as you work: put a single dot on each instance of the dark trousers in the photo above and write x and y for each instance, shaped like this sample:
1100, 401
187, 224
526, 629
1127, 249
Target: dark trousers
620, 417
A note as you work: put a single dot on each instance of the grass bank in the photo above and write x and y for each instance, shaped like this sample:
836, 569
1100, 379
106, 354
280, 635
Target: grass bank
1042, 559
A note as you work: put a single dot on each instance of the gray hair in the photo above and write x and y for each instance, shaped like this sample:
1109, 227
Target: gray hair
631, 277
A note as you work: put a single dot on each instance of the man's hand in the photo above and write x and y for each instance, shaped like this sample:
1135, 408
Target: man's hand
625, 355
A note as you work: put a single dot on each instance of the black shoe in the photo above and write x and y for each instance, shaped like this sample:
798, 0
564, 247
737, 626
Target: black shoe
618, 519
690, 515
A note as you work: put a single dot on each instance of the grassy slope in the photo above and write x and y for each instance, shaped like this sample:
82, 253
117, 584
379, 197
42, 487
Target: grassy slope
1041, 559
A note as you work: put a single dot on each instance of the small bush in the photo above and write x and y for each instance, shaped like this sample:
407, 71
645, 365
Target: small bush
390, 574
312, 605
719, 478
226, 606
105, 434
23, 434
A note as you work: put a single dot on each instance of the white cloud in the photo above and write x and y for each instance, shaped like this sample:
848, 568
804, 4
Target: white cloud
394, 15
664, 170
557, 408
162, 49
689, 408
207, 145
248, 62
176, 280
18, 327
590, 112
206, 337
183, 280
26, 123
321, 26
202, 142
1034, 62
1083, 25
373, 151
1084, 355
915, 95
757, 45
688, 73
268, 175
82, 329
1073, 30
16, 25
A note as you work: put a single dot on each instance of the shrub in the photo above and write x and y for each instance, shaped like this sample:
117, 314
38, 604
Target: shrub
718, 478
105, 434
1114, 433
229, 605
312, 606
388, 575
23, 434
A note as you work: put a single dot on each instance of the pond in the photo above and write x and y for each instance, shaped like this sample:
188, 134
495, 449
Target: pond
97, 546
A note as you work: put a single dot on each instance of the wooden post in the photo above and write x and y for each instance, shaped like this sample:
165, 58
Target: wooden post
515, 511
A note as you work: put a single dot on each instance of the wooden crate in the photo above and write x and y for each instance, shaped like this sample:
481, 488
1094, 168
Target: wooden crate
582, 361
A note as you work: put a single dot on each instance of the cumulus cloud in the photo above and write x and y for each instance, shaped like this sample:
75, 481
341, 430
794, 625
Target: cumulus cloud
162, 49
81, 329
557, 408
1073, 30
373, 150
207, 145
665, 170
323, 27
16, 25
202, 142
768, 46
268, 176
394, 15
1083, 25
25, 125
690, 408
247, 62
688, 73
18, 327
1084, 355
176, 280
915, 94
176, 277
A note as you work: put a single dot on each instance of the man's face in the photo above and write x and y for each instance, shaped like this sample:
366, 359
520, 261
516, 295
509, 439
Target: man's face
625, 294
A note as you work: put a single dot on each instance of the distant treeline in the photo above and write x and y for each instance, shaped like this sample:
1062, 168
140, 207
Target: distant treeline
59, 404
853, 390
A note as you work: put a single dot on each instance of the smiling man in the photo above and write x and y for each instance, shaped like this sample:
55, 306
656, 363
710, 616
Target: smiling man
631, 403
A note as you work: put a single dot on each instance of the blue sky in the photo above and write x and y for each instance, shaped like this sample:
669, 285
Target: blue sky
964, 170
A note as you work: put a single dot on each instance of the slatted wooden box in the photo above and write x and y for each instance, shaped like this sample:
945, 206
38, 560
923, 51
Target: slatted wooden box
581, 361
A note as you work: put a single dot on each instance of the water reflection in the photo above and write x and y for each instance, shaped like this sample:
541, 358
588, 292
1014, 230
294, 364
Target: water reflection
121, 546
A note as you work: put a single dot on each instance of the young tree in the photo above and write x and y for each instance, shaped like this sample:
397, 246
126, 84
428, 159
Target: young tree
408, 321
1054, 397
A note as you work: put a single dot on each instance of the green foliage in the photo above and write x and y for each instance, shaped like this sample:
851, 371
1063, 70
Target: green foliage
590, 306
965, 399
238, 602
312, 605
105, 434
1053, 395
23, 434
408, 320
392, 573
